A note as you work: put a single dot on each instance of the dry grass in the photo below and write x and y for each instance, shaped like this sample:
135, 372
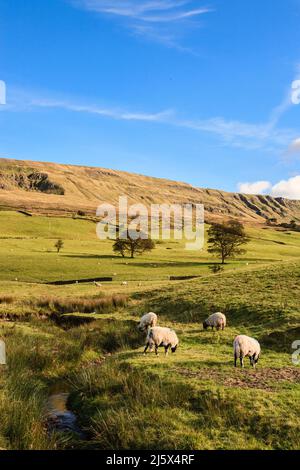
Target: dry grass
81, 305
6, 299
82, 183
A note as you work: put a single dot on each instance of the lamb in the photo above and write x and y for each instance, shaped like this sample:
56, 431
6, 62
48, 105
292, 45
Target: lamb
147, 321
244, 346
161, 337
217, 320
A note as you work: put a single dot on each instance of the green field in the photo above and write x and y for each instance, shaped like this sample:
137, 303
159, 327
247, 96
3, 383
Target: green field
194, 399
27, 252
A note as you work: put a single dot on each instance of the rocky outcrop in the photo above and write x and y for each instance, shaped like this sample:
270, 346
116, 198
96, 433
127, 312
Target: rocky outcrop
29, 181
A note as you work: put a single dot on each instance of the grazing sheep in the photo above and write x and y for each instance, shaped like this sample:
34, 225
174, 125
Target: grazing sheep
244, 346
216, 320
124, 283
147, 321
161, 337
97, 284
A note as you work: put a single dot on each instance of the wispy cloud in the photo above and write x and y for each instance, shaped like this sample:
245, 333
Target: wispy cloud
161, 21
244, 135
250, 136
148, 11
113, 113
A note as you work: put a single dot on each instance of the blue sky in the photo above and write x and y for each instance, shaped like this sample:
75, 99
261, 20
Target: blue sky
197, 91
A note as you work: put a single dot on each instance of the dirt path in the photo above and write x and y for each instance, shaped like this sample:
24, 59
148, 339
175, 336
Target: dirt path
263, 379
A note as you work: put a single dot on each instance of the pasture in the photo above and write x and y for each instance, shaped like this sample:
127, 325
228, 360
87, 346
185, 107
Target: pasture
193, 399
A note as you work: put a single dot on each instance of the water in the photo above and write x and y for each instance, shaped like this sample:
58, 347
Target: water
59, 417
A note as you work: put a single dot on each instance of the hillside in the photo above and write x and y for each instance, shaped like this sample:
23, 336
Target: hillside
114, 390
56, 189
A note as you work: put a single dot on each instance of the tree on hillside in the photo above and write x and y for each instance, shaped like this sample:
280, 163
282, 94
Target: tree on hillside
119, 247
133, 247
59, 245
225, 239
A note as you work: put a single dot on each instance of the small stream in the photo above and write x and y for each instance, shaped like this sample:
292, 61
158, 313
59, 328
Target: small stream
60, 418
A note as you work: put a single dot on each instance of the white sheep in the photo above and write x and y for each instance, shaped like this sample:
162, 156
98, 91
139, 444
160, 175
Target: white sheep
124, 283
161, 337
147, 321
244, 346
216, 320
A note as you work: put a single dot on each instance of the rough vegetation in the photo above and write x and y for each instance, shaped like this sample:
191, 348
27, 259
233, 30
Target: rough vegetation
193, 399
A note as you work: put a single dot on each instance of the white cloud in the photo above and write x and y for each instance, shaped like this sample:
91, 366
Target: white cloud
153, 19
294, 147
244, 135
259, 187
112, 113
231, 133
289, 189
149, 11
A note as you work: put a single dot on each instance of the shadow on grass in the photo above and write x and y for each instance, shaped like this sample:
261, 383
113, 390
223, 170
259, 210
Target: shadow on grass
172, 264
90, 256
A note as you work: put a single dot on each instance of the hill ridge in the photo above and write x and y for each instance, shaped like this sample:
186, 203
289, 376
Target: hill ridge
64, 189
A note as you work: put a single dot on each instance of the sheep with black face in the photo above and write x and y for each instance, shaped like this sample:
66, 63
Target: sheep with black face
245, 346
161, 337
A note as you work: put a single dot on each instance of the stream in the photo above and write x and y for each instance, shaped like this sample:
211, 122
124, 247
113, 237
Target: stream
60, 418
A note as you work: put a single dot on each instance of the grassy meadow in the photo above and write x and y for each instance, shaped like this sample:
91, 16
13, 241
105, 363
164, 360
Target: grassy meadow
194, 399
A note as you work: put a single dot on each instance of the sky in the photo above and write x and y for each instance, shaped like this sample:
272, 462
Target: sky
195, 91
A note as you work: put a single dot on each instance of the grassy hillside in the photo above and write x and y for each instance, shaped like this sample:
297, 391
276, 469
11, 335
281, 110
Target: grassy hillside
193, 399
27, 252
51, 188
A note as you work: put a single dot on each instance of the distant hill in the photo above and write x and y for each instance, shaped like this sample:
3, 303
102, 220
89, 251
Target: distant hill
56, 189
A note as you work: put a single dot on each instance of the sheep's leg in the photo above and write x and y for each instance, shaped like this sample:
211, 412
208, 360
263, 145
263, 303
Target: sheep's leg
146, 347
235, 360
166, 350
156, 350
242, 360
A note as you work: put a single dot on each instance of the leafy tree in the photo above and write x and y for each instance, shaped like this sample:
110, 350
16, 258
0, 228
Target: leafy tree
225, 239
119, 247
59, 245
133, 246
